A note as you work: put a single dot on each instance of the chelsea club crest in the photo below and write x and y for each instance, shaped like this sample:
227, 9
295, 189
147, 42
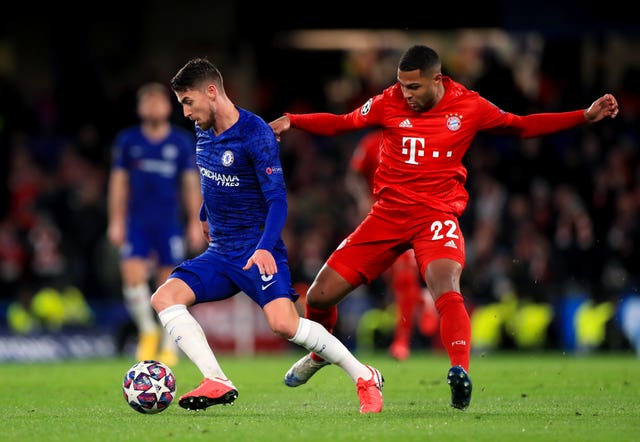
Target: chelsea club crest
227, 158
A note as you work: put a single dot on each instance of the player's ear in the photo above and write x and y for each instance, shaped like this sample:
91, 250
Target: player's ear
212, 90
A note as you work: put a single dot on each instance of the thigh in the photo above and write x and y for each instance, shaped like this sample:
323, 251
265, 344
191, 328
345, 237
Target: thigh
208, 276
439, 237
263, 289
369, 250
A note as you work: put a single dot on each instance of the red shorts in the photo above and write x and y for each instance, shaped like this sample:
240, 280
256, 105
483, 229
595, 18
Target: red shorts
386, 233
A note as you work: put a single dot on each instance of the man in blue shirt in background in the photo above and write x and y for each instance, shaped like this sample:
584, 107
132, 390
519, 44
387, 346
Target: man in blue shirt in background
153, 206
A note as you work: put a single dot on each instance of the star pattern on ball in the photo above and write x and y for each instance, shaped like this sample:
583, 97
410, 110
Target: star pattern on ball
149, 387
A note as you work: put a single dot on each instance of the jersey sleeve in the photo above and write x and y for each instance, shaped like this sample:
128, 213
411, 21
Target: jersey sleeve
497, 121
276, 219
271, 178
536, 125
328, 124
322, 123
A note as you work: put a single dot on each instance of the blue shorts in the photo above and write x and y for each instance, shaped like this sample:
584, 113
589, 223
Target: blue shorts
161, 239
213, 277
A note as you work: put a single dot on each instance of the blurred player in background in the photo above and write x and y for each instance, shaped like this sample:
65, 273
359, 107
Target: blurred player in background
154, 202
244, 211
403, 277
428, 123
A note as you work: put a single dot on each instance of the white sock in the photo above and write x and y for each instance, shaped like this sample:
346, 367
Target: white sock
137, 299
314, 337
189, 336
168, 344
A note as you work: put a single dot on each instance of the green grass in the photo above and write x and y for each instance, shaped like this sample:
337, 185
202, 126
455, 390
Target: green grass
523, 396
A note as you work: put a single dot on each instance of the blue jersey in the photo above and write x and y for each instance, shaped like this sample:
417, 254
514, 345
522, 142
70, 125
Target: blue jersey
154, 213
155, 171
241, 174
242, 180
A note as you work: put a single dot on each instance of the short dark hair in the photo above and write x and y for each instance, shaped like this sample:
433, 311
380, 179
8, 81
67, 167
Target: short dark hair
152, 88
193, 73
419, 57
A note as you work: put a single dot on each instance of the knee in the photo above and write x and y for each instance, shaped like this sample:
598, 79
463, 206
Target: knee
162, 299
172, 292
313, 302
318, 298
443, 276
157, 301
283, 328
328, 289
322, 303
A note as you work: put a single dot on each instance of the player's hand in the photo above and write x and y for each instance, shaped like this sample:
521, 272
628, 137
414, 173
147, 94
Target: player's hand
116, 234
605, 106
265, 262
280, 125
197, 236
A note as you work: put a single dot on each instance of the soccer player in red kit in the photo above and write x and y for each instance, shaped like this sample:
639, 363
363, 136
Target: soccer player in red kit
428, 122
403, 276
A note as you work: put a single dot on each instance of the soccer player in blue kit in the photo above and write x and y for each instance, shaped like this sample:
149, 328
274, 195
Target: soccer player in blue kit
243, 212
153, 177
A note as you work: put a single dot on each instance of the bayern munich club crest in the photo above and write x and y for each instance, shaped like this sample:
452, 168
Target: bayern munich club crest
454, 123
227, 158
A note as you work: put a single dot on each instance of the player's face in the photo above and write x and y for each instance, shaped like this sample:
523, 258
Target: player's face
420, 91
154, 107
196, 106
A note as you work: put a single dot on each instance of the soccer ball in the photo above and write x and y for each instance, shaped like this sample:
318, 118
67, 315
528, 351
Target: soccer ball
149, 387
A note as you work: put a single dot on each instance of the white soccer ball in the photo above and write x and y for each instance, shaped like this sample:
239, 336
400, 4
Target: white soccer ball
149, 387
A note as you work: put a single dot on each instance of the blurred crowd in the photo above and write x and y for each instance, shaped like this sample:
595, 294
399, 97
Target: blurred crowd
549, 220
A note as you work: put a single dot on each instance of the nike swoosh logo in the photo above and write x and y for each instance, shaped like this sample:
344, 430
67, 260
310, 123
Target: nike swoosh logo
264, 287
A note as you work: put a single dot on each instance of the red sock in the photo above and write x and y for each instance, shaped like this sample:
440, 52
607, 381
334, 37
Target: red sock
455, 328
408, 294
326, 317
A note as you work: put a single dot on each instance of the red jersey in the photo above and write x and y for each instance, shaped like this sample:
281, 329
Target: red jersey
421, 152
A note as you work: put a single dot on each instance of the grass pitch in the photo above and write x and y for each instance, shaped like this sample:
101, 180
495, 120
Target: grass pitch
516, 396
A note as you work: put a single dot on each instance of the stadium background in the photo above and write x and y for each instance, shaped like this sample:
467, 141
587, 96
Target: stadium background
552, 226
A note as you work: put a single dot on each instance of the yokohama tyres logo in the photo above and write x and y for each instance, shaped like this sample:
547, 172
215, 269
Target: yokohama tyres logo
221, 179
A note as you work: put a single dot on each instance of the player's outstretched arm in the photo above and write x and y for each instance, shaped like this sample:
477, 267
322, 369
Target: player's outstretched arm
536, 125
605, 106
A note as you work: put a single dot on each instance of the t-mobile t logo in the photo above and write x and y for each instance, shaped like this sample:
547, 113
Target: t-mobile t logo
415, 148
